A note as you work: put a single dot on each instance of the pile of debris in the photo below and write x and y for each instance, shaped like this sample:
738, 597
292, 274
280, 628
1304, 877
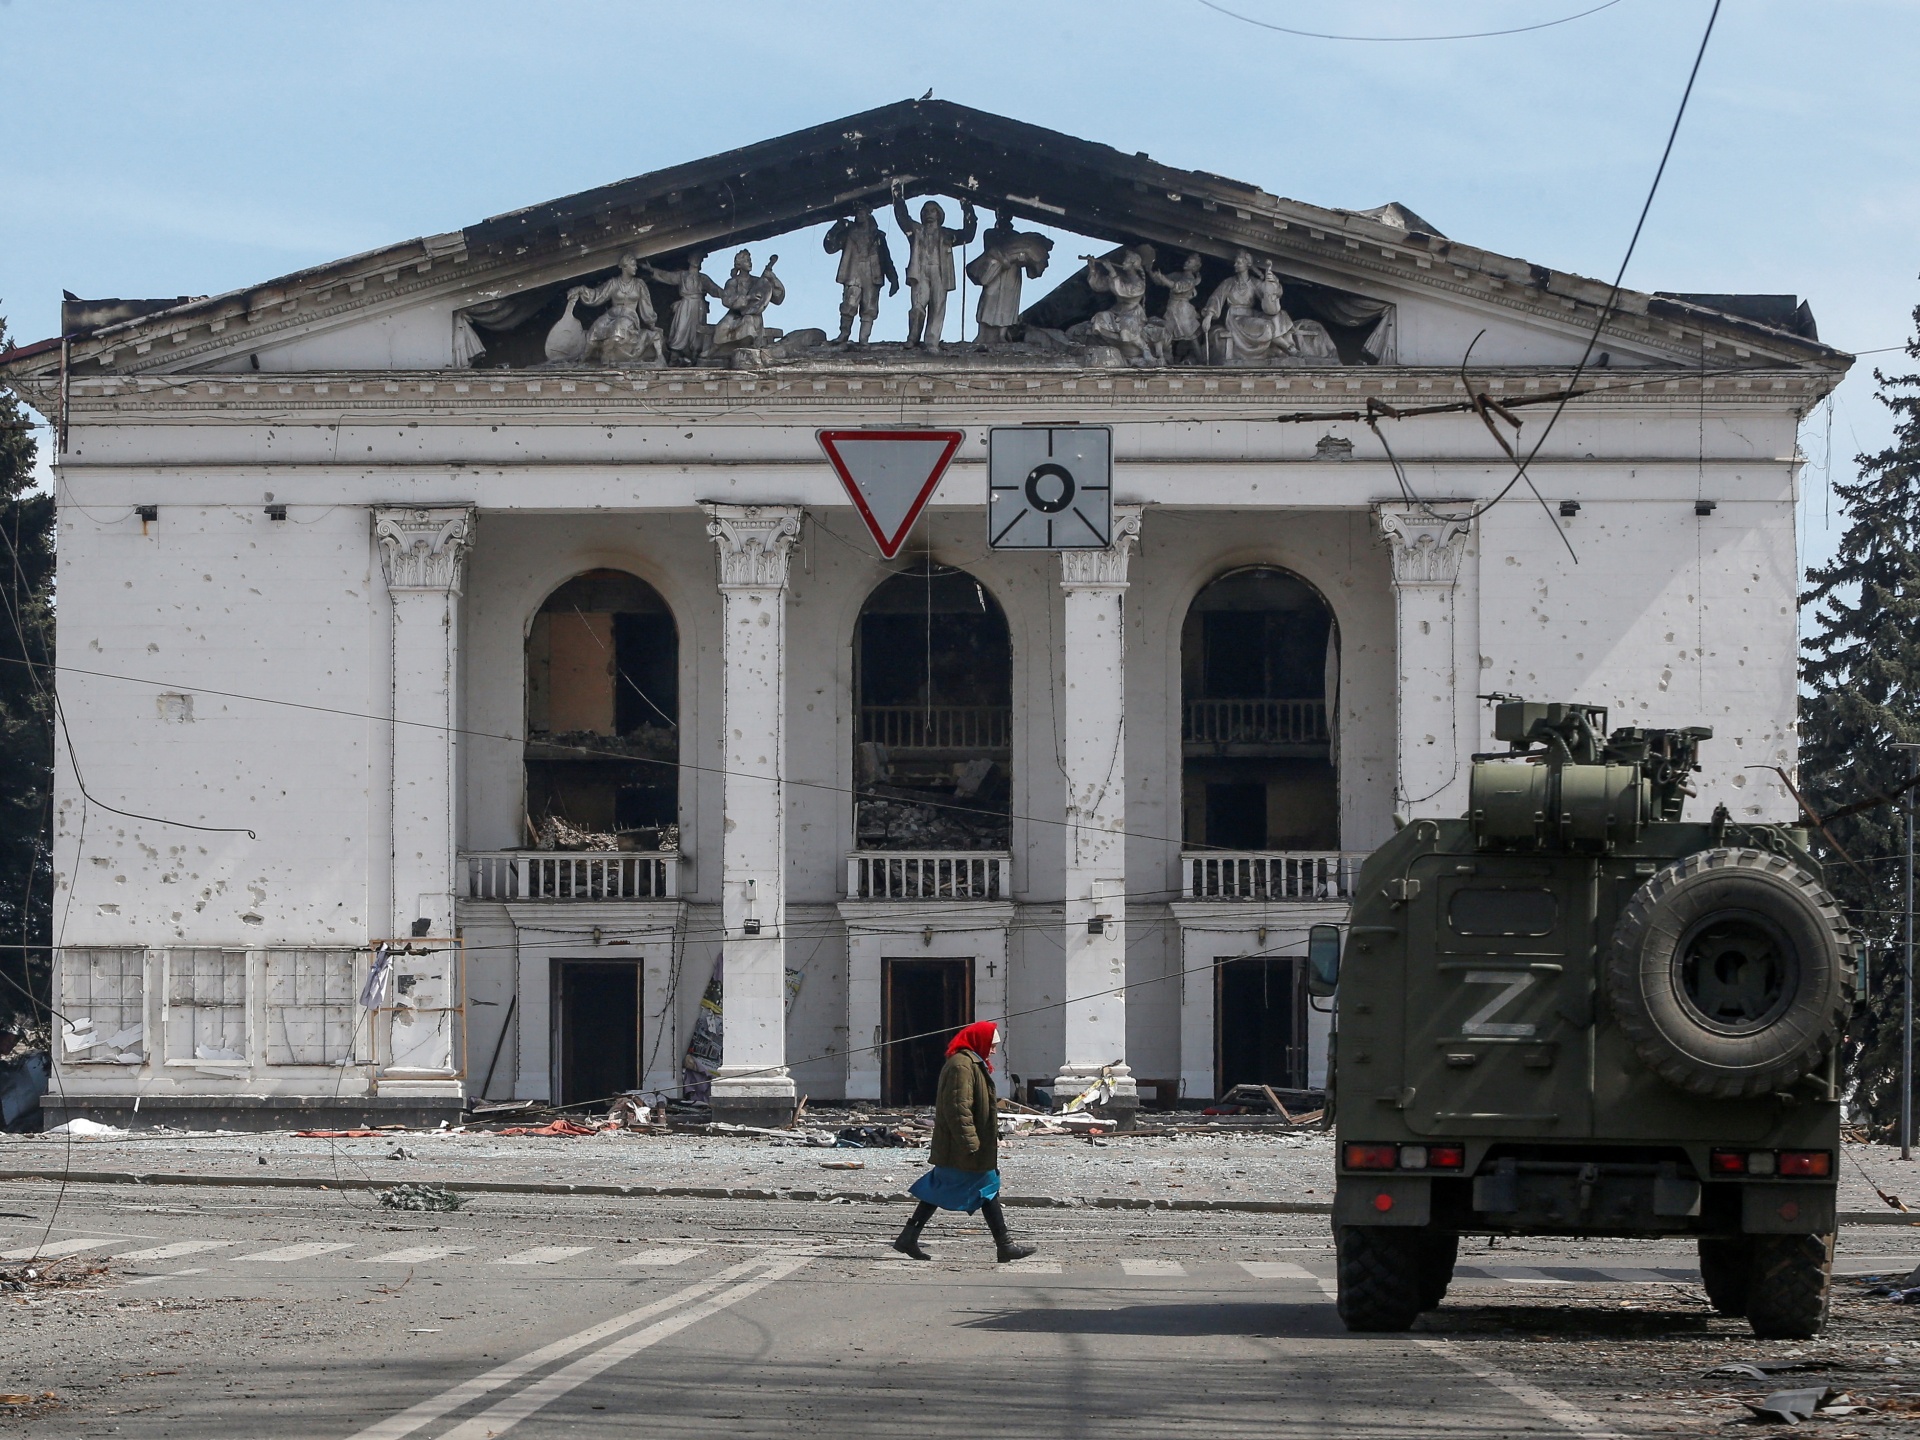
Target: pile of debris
66, 1273
1293, 1107
903, 825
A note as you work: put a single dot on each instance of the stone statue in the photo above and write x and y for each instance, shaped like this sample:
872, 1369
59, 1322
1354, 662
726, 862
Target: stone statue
1124, 324
1182, 320
930, 274
864, 262
997, 270
687, 331
746, 297
628, 333
1254, 329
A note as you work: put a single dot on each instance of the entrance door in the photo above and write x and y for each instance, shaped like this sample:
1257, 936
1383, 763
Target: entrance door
924, 1003
596, 1029
1260, 1019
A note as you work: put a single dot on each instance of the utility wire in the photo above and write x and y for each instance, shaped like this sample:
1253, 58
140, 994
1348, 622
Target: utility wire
1571, 388
593, 750
1407, 39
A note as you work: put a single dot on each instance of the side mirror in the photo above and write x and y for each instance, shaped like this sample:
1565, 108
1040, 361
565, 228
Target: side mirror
1323, 959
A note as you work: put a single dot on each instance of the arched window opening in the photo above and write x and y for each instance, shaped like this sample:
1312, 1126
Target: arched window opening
934, 680
1259, 666
603, 715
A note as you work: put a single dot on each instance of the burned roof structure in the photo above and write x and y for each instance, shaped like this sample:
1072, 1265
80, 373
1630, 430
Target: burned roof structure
922, 147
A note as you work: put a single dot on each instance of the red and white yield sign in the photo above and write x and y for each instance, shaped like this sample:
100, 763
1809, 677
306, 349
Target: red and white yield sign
890, 474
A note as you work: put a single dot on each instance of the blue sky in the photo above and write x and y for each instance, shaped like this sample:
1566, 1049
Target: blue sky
194, 146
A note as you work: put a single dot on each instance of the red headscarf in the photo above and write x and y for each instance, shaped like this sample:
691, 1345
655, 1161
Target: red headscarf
977, 1037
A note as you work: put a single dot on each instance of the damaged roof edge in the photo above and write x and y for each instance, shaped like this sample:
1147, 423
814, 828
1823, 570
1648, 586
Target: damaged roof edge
919, 129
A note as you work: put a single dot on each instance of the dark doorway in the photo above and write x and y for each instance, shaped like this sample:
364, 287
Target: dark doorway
1260, 1016
596, 1028
929, 1000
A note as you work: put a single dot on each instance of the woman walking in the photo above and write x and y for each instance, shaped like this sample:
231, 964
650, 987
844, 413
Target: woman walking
966, 1146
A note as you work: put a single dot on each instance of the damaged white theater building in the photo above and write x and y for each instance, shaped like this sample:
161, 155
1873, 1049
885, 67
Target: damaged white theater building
477, 626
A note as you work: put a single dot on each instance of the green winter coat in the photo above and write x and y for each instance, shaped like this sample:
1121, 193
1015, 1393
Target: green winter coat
966, 1126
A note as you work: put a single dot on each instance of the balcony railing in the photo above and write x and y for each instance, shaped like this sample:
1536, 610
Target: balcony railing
1254, 722
571, 875
937, 727
929, 875
1269, 874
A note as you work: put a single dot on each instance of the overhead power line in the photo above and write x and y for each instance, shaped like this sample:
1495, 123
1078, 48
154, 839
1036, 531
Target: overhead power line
1407, 39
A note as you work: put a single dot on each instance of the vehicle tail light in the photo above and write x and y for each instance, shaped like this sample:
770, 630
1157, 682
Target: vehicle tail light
1818, 1163
1727, 1162
1413, 1157
1372, 1157
1447, 1157
1760, 1162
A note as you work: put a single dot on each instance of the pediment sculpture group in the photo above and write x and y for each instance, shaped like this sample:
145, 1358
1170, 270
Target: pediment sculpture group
1242, 322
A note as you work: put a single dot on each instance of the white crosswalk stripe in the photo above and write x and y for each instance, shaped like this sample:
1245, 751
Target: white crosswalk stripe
418, 1254
179, 1247
170, 1275
1153, 1267
662, 1257
287, 1253
543, 1255
1632, 1276
53, 1249
1032, 1267
1520, 1275
1276, 1270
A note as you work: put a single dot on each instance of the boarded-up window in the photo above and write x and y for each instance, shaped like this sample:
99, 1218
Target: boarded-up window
103, 997
206, 1008
310, 1009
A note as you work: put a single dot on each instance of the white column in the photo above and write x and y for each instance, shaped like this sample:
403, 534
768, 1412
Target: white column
1093, 752
423, 554
1434, 741
753, 1084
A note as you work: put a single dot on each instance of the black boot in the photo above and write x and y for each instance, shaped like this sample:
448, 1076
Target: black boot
1002, 1242
909, 1242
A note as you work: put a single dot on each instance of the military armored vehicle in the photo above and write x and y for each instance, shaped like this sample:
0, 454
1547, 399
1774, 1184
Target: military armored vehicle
1571, 1012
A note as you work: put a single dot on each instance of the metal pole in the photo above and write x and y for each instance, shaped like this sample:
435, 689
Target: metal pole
1906, 989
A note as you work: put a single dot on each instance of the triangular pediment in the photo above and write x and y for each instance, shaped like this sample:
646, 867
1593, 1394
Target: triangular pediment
404, 306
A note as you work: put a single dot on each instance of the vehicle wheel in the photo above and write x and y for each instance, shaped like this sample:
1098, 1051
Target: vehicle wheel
1724, 1264
1437, 1258
1787, 1285
1732, 972
1380, 1276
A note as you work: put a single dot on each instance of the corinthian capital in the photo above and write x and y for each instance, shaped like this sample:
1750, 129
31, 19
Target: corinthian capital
753, 541
1103, 569
1426, 548
423, 549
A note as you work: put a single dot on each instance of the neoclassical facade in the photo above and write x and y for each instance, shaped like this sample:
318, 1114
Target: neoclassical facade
479, 684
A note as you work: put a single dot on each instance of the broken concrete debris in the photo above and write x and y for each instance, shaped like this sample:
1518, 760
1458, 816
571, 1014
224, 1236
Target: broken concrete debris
421, 1197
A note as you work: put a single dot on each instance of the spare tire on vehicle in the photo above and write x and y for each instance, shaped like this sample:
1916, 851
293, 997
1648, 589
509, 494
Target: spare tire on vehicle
1732, 972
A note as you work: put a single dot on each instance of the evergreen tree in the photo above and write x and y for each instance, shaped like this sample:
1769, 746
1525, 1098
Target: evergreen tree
1860, 672
26, 718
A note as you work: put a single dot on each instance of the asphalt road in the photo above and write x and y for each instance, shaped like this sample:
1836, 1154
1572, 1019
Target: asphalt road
226, 1313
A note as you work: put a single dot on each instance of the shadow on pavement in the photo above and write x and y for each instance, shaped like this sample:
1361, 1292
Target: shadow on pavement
1196, 1319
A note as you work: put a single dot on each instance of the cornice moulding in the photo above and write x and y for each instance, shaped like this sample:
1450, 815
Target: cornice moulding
585, 396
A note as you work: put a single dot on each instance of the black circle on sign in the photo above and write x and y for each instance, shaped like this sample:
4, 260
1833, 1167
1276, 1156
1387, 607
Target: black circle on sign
1046, 472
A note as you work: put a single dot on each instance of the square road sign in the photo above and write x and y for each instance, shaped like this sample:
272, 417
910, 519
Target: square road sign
1049, 487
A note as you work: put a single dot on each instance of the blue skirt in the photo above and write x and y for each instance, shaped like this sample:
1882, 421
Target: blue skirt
953, 1189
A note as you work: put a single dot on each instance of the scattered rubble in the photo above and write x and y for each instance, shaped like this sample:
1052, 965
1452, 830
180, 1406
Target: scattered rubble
62, 1273
420, 1197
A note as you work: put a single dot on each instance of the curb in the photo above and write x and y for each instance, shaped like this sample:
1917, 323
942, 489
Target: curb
721, 1192
642, 1192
